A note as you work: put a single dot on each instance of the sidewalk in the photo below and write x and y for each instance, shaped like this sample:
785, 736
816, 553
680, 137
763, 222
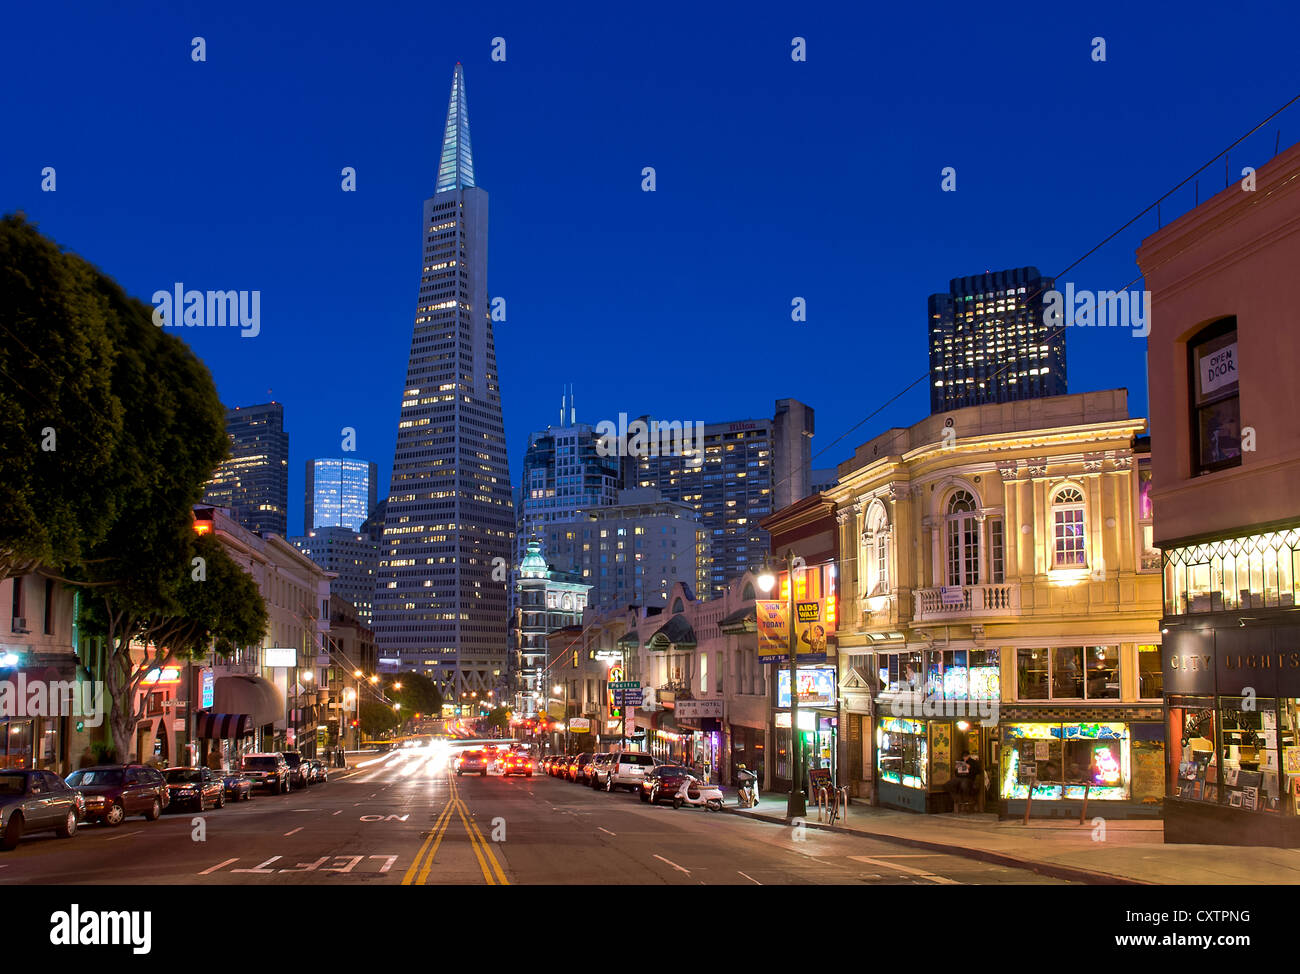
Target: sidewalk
1132, 852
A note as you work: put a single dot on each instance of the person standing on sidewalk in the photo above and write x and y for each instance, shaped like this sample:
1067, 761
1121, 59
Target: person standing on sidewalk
960, 784
977, 784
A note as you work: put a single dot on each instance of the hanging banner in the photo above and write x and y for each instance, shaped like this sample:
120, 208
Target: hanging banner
813, 627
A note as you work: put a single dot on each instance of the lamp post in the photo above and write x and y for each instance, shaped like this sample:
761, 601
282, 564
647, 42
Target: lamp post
566, 715
795, 807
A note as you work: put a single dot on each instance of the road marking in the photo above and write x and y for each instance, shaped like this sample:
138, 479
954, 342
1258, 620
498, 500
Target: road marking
339, 812
912, 870
220, 865
606, 831
304, 809
750, 878
298, 829
912, 855
673, 864
415, 866
126, 836
388, 865
491, 855
259, 868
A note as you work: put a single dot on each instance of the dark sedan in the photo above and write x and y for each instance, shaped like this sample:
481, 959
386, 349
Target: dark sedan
114, 791
661, 783
36, 801
319, 773
195, 787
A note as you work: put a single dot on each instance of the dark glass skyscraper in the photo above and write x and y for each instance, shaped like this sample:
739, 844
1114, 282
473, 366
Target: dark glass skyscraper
254, 482
339, 493
989, 341
445, 555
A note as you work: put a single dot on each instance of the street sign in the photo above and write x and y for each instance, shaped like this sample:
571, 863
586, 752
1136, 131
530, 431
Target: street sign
626, 685
628, 698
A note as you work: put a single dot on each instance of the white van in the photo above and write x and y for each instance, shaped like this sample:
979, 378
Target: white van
626, 770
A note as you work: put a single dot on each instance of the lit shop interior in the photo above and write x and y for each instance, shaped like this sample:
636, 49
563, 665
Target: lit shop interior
817, 722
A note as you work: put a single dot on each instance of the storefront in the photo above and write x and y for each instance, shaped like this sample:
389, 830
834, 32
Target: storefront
1064, 755
818, 736
1233, 700
915, 758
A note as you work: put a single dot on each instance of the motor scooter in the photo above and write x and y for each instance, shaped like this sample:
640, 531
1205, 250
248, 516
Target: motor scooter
695, 792
748, 795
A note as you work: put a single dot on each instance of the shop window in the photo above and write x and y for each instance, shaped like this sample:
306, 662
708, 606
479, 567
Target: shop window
1250, 755
1067, 672
1191, 748
1065, 761
1215, 405
901, 671
903, 752
1254, 572
1068, 528
1031, 674
1102, 672
1151, 678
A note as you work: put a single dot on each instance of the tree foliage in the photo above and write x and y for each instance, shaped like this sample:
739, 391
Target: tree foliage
419, 694
377, 719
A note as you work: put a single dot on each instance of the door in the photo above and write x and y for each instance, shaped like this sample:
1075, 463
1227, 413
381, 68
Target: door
133, 793
37, 807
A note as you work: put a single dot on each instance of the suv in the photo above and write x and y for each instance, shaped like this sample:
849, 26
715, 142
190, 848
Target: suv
598, 771
627, 770
114, 791
269, 771
299, 770
470, 762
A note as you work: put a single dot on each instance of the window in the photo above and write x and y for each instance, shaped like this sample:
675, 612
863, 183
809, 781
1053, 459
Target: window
963, 540
1151, 680
1191, 748
1069, 673
1215, 405
997, 571
876, 552
1067, 517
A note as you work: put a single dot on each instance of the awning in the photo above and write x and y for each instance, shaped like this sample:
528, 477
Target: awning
676, 632
251, 695
217, 727
743, 620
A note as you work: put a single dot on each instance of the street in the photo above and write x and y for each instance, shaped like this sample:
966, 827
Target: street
403, 819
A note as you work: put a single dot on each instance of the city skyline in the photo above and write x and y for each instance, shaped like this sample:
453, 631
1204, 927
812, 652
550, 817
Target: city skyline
285, 225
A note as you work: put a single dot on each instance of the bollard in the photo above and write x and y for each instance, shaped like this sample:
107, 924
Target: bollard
1083, 815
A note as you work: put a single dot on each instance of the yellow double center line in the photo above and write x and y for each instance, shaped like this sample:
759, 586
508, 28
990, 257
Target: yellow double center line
482, 848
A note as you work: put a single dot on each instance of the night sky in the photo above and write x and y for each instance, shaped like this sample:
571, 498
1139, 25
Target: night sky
775, 180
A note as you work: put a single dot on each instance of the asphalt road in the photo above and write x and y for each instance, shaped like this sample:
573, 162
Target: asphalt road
405, 820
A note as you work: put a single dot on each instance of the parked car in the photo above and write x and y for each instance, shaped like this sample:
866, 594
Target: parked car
319, 773
196, 787
517, 762
662, 782
472, 762
269, 771
598, 770
114, 791
578, 768
238, 788
627, 770
36, 801
299, 771
559, 762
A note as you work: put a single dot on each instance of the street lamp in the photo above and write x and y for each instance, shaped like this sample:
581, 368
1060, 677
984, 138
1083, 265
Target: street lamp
795, 807
566, 714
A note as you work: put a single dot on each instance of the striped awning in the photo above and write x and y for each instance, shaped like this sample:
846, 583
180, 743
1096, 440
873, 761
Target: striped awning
217, 727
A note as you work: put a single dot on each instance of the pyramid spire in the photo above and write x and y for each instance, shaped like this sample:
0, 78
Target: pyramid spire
456, 164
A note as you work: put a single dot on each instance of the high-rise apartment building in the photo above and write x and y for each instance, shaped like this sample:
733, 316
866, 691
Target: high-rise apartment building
989, 341
338, 493
749, 468
352, 556
253, 484
445, 555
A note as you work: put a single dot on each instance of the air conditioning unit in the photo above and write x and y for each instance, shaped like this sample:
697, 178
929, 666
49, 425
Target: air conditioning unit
20, 624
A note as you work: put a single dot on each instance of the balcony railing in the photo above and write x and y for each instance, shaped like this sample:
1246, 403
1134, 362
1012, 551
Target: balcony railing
966, 602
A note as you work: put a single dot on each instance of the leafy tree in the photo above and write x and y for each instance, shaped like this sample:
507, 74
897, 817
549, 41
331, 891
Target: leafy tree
499, 718
377, 719
61, 417
419, 695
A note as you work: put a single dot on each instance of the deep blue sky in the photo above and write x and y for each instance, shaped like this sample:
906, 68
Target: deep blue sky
775, 179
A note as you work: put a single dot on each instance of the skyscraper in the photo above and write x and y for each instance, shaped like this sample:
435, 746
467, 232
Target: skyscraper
445, 555
254, 482
989, 341
351, 555
749, 468
339, 493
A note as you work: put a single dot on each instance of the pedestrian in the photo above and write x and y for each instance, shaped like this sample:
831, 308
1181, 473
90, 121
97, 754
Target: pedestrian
977, 780
959, 784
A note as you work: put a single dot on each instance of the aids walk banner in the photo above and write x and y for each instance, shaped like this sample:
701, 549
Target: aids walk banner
812, 626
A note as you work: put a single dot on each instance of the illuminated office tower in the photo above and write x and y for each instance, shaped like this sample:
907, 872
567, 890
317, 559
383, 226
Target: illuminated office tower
339, 493
445, 554
989, 342
254, 482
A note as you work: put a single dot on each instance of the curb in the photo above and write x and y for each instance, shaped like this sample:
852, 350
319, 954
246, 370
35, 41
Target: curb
1055, 871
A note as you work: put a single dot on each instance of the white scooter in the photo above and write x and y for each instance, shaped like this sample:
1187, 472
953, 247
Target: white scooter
695, 792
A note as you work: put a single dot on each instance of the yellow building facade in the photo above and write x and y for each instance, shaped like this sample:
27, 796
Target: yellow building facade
999, 595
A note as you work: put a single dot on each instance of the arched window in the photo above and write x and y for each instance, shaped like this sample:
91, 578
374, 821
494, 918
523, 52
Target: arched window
963, 540
1068, 528
877, 553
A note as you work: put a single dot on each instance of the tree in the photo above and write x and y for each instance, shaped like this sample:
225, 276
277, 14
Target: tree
377, 719
137, 428
499, 718
60, 415
419, 695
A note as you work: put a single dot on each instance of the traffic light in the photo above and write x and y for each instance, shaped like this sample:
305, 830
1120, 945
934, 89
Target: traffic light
355, 722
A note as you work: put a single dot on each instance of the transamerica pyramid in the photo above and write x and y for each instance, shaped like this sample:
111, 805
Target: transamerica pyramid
440, 608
